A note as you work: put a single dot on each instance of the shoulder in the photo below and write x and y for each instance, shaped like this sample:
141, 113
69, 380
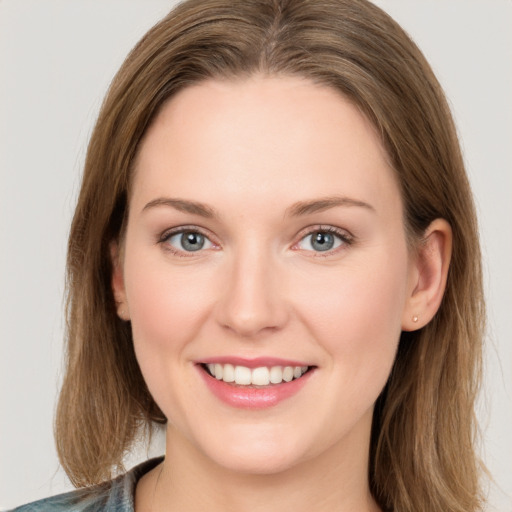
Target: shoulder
83, 500
115, 496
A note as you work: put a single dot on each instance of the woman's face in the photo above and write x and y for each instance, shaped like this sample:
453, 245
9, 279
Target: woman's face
265, 233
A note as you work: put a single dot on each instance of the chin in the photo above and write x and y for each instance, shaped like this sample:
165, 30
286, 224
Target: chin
256, 450
257, 461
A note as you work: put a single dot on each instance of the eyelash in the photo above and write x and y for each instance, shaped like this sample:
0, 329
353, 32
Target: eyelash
168, 234
345, 238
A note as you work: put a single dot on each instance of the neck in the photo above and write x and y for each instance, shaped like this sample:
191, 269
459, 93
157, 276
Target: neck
333, 481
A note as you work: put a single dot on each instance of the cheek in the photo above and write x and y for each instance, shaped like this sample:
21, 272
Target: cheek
154, 308
166, 307
165, 302
357, 320
167, 310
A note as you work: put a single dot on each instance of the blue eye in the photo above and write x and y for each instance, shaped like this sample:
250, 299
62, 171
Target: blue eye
322, 241
188, 241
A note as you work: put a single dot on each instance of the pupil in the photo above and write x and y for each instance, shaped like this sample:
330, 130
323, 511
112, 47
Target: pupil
322, 241
192, 241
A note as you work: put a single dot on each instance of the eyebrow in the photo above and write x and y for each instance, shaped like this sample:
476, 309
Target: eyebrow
325, 203
182, 205
296, 210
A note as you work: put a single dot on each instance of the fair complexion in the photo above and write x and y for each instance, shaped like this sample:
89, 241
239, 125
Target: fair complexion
266, 222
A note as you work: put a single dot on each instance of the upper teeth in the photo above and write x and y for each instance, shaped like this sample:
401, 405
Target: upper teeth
261, 376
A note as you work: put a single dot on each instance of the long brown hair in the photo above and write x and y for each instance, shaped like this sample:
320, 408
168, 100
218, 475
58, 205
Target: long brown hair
422, 453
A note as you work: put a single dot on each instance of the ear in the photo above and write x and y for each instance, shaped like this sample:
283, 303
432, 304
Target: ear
428, 275
117, 282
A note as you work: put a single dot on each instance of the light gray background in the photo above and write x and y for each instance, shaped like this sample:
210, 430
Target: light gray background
56, 60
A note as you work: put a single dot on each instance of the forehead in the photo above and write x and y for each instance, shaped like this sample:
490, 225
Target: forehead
265, 136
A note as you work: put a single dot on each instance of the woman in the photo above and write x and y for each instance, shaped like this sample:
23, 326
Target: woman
274, 253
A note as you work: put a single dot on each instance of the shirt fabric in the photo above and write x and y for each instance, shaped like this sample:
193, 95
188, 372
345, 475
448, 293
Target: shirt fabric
117, 495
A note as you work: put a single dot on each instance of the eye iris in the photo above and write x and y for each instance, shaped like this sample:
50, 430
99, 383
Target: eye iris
192, 241
322, 241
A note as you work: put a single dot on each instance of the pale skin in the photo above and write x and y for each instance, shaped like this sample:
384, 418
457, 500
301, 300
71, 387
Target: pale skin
255, 167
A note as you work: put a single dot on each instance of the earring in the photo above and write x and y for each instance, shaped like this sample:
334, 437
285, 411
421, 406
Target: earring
414, 318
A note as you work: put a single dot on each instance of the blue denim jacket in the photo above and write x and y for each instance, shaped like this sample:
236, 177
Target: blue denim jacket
114, 496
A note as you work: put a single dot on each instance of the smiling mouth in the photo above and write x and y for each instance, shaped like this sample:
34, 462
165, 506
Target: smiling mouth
255, 377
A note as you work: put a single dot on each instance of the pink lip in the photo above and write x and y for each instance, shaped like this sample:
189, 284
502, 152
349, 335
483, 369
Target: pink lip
247, 397
253, 363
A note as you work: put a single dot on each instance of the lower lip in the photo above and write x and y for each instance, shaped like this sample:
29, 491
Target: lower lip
245, 397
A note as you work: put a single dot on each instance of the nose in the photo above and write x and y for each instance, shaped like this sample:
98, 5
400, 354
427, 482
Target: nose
253, 299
